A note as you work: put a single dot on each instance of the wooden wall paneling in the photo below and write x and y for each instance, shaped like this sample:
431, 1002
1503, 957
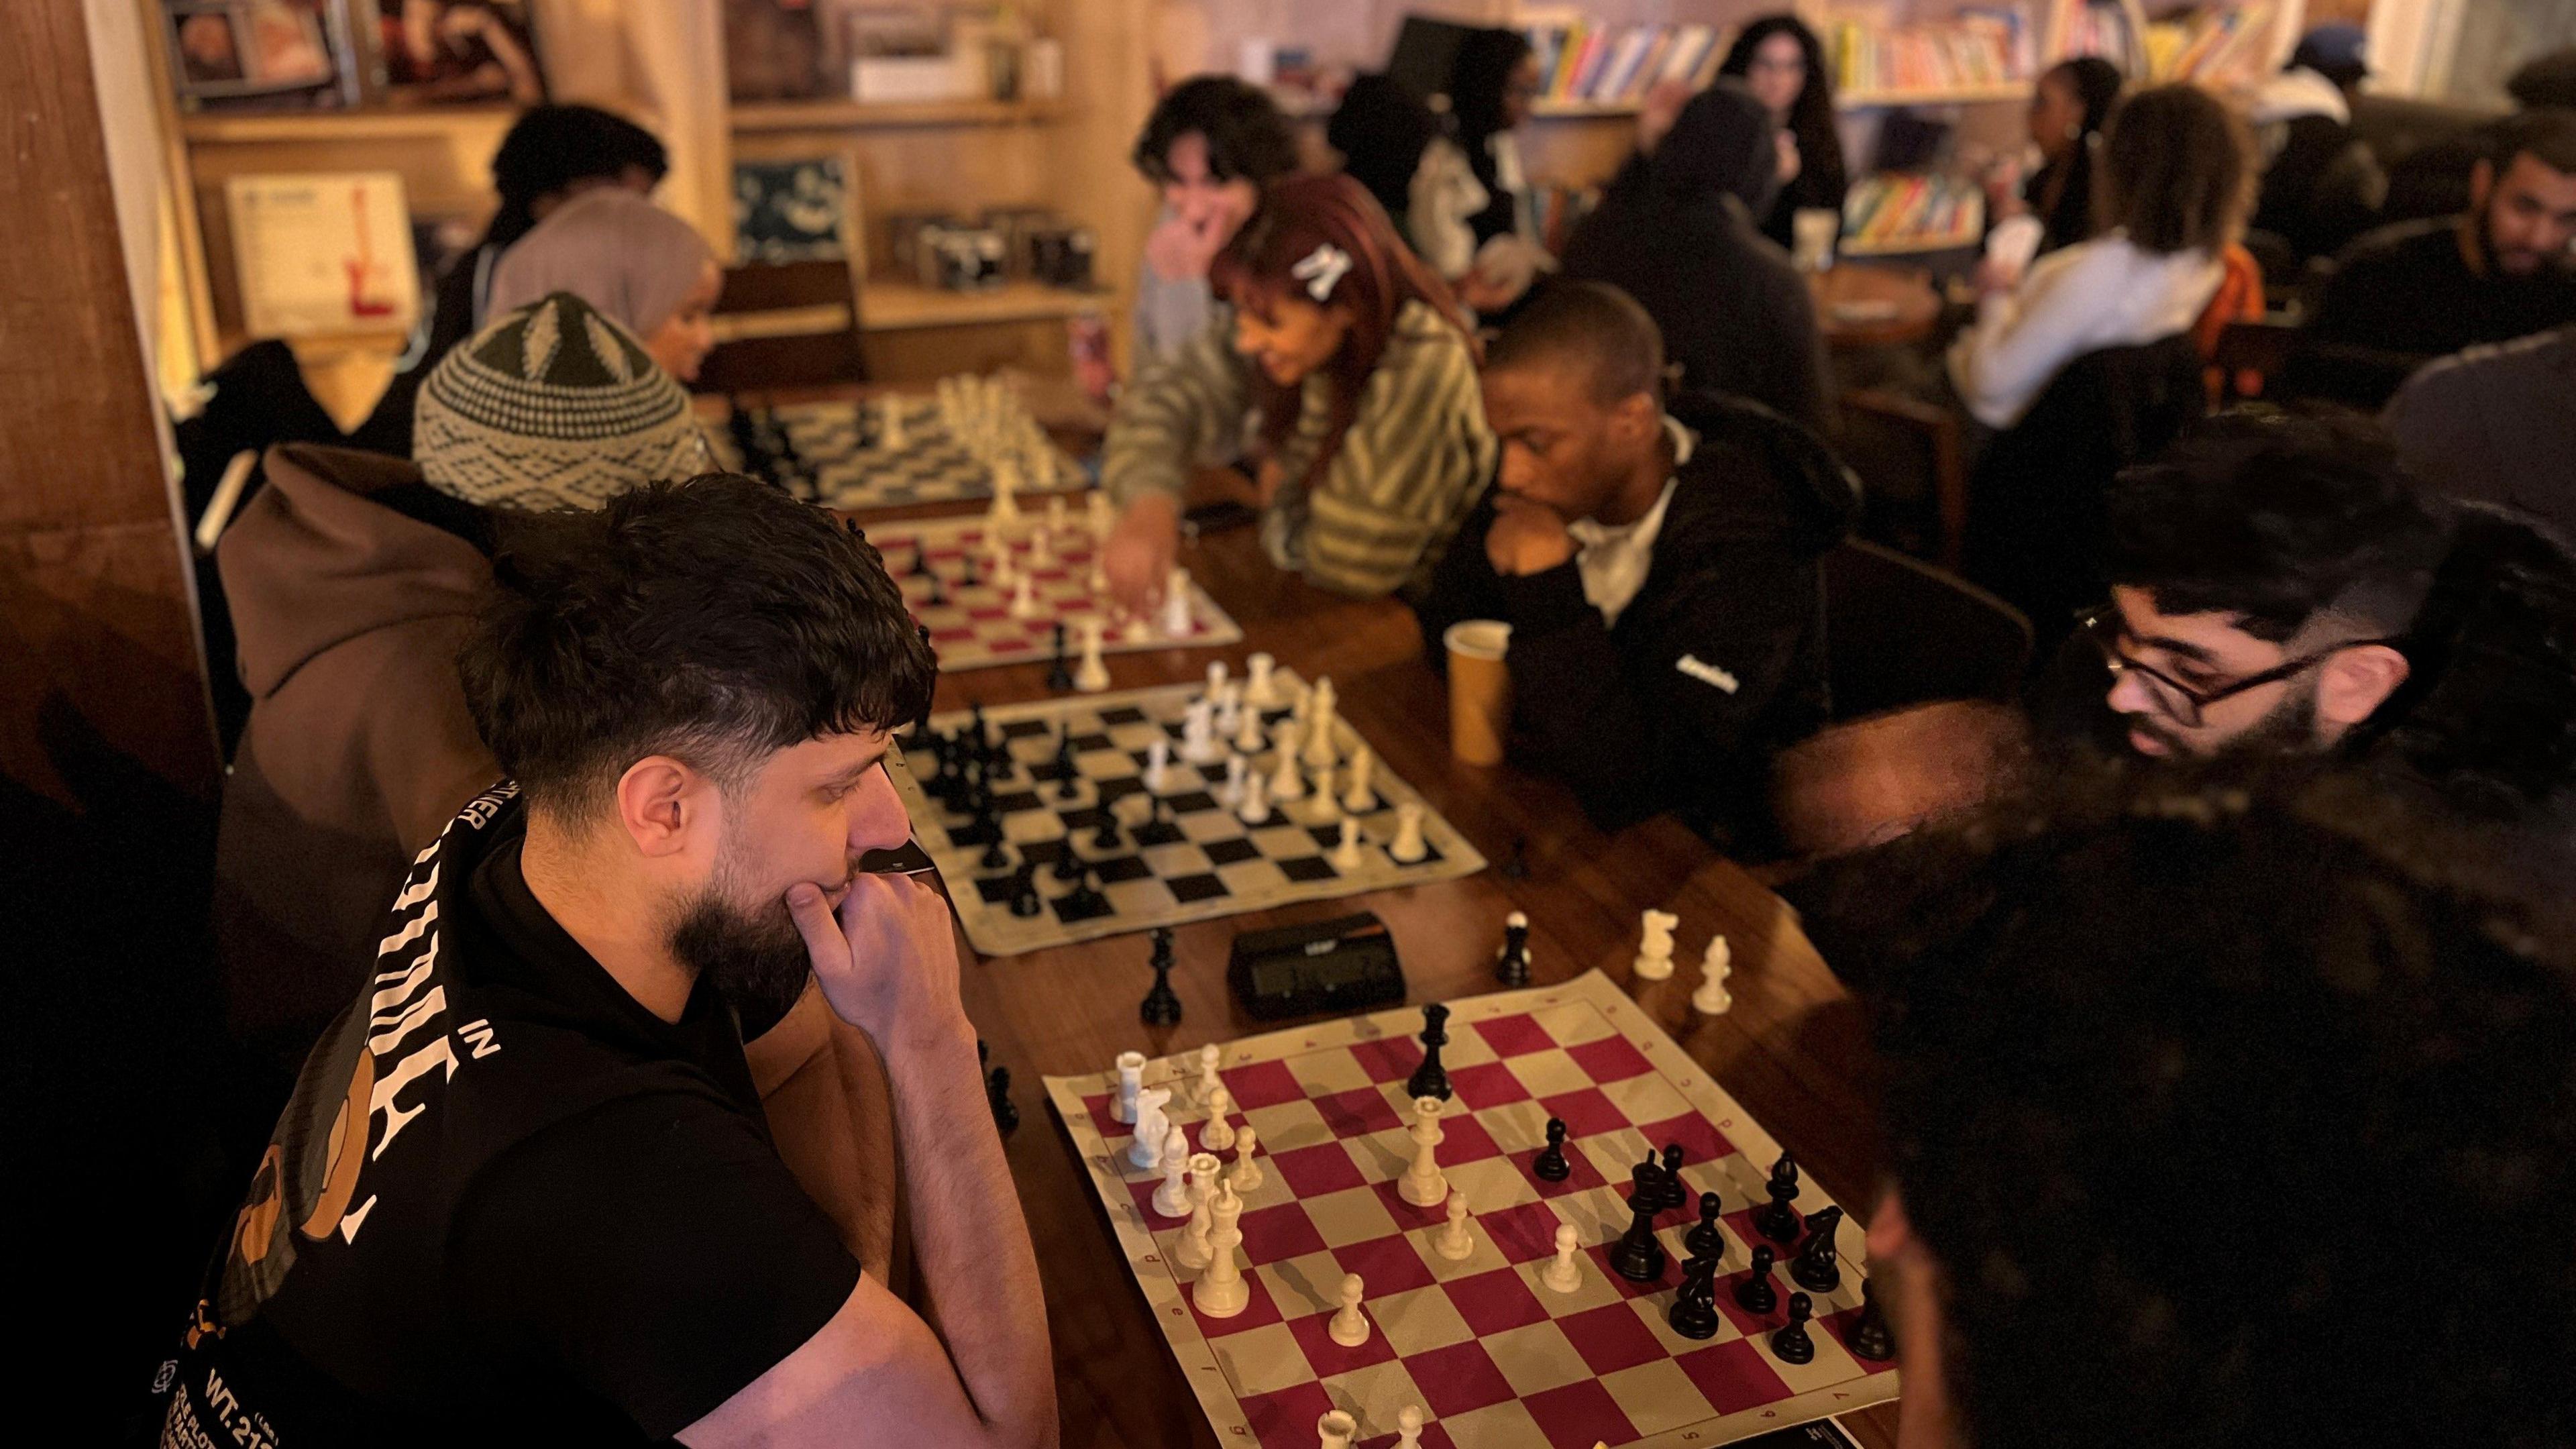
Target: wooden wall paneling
104, 664
921, 355
1109, 90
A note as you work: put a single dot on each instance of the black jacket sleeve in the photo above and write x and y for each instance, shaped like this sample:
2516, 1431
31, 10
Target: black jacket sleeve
1462, 587
1632, 744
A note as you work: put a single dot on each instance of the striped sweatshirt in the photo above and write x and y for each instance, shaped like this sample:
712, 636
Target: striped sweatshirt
1415, 460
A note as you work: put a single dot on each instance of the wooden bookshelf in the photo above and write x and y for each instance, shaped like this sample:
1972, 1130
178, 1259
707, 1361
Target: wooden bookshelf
841, 115
294, 128
895, 306
2018, 90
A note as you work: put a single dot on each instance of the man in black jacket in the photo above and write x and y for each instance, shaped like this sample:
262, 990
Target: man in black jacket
1659, 569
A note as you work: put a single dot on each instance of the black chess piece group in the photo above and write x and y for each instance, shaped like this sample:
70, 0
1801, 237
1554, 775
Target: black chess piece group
1431, 1079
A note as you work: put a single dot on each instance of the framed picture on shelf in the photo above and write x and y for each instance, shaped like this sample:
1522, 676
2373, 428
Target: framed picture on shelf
323, 254
245, 54
458, 52
797, 211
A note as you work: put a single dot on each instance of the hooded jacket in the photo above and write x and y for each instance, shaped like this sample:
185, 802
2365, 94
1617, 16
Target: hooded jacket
353, 584
2321, 186
1674, 231
1718, 661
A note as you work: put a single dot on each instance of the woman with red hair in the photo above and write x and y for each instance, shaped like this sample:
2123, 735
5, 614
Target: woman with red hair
1372, 437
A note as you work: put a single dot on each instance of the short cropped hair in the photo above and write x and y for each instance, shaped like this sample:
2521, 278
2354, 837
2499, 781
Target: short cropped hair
2277, 517
2176, 172
1248, 137
2238, 1109
715, 621
1592, 326
2547, 136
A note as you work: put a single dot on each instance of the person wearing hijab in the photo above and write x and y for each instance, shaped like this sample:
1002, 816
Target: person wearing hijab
1675, 231
1372, 441
636, 264
1783, 64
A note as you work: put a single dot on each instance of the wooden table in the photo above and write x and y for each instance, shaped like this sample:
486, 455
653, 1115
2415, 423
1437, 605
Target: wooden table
1863, 305
1793, 1050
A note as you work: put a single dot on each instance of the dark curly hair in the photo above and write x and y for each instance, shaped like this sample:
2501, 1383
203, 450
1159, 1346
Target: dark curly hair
2238, 1111
2176, 170
716, 621
1248, 137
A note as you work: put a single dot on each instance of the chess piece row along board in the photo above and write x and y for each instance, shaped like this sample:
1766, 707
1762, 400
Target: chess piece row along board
973, 625
1203, 863
834, 448
1491, 1351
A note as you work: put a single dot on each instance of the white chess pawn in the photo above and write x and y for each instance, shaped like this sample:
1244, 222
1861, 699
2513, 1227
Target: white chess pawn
1230, 793
1219, 1292
1319, 727
1408, 847
1024, 598
1715, 965
1350, 1327
1198, 735
1566, 1273
1257, 688
1172, 1199
1357, 798
1424, 1185
1655, 947
1336, 1429
1346, 856
1096, 582
1215, 678
1176, 605
1408, 1427
890, 436
1042, 465
1218, 1134
1055, 514
1210, 1057
1158, 764
1041, 550
1247, 731
1092, 676
1323, 807
1131, 1079
1006, 486
1229, 709
1137, 630
1453, 1241
1255, 809
1286, 781
1097, 513
1247, 1173
1146, 1152
1193, 1249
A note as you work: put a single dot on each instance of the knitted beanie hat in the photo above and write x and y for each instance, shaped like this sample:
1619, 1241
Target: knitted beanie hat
552, 407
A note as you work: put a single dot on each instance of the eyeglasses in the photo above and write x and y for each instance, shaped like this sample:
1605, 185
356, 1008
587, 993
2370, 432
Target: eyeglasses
2181, 702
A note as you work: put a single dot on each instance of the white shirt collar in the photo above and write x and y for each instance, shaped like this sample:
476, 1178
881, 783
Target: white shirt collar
1614, 559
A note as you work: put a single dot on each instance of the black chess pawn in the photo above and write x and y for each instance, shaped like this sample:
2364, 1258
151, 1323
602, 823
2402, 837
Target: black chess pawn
1705, 1240
1512, 968
938, 591
921, 559
1672, 1194
1778, 1220
1161, 1006
1550, 1164
1431, 1079
1059, 678
1068, 780
1753, 1291
996, 855
1068, 863
1694, 1310
1025, 901
1817, 1267
1869, 1336
1639, 1258
1107, 838
997, 1089
1789, 1342
1085, 897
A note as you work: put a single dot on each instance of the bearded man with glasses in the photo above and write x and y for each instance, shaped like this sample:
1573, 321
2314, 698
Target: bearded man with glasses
2280, 584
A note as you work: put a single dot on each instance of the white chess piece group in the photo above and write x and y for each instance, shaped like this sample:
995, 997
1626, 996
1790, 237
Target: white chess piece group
1655, 962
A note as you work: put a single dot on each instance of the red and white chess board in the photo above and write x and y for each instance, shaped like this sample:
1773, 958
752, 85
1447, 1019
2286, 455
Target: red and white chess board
974, 627
1496, 1359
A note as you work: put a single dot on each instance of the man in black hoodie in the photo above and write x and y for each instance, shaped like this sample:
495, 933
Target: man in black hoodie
1659, 569
1676, 230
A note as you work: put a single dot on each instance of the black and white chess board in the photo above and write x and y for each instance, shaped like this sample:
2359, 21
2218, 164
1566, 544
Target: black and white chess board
833, 452
1180, 854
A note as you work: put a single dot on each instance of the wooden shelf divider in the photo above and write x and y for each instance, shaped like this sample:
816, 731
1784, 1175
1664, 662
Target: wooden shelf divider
895, 306
841, 115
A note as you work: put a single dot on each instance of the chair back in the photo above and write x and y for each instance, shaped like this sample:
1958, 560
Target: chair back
783, 325
2035, 505
1900, 632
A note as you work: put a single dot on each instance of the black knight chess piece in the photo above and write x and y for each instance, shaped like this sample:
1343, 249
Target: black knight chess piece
1817, 1267
1705, 1241
1550, 1164
1161, 1006
1431, 1079
1639, 1258
1869, 1336
1789, 1342
1777, 1219
1753, 1291
1694, 1310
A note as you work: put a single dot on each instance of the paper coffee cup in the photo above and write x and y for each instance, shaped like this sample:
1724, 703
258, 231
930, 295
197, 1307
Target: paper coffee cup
1480, 689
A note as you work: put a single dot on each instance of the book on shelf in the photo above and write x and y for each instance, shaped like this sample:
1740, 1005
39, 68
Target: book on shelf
1897, 209
1977, 48
2221, 47
2099, 27
1585, 62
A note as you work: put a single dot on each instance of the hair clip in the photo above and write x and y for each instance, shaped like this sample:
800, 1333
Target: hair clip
1322, 270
